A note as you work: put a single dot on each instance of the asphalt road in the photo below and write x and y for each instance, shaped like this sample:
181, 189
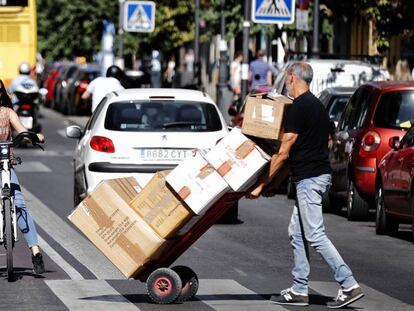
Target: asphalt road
239, 266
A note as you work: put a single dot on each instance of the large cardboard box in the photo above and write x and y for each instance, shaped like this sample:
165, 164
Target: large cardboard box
115, 228
197, 183
263, 115
238, 160
160, 207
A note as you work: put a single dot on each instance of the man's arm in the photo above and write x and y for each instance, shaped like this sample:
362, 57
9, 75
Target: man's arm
86, 95
288, 139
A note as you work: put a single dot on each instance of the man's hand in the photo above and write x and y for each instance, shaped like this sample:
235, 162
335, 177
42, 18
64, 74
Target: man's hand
41, 137
256, 192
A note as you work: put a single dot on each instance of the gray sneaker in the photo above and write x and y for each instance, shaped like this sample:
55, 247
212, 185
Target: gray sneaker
288, 297
345, 298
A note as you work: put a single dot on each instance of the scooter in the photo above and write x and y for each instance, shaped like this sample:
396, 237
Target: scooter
27, 105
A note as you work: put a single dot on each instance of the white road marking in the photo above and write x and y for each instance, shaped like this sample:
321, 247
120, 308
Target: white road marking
49, 250
32, 167
89, 295
78, 246
47, 153
373, 300
62, 133
241, 272
228, 295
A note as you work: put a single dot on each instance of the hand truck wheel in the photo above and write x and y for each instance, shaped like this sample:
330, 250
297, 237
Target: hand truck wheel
163, 286
189, 282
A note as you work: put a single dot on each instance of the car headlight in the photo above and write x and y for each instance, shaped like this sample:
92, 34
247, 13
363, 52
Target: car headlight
4, 151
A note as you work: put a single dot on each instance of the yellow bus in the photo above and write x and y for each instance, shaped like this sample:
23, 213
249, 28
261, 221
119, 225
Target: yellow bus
18, 36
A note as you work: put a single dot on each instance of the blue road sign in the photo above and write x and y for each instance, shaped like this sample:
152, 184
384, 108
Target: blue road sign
139, 16
273, 11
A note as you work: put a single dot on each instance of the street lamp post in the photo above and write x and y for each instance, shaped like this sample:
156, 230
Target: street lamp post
223, 60
245, 65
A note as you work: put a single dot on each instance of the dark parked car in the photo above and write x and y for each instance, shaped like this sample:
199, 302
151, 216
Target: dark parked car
72, 103
335, 99
395, 186
376, 112
61, 83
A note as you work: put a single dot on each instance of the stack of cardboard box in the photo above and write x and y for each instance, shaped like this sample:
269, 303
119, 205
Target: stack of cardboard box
132, 225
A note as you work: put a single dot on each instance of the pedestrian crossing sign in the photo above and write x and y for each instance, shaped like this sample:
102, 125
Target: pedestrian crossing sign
139, 16
273, 11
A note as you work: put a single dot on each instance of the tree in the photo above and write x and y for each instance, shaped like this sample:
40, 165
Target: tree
391, 17
73, 28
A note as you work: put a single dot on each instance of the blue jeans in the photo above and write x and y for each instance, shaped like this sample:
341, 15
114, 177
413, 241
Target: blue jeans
24, 219
307, 220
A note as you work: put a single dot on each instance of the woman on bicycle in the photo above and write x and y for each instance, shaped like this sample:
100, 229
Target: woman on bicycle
9, 121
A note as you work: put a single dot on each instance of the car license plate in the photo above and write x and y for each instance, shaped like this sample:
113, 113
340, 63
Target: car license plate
165, 154
27, 122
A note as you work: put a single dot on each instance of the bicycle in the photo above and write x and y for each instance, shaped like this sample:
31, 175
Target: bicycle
8, 218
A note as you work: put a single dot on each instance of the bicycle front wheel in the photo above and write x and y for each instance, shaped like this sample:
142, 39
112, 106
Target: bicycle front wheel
9, 238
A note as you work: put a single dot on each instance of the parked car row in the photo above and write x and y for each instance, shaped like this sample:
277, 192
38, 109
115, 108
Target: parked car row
65, 83
371, 156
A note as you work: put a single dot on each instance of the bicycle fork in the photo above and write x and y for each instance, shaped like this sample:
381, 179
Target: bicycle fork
6, 195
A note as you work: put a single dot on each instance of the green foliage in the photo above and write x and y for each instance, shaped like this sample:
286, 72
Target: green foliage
74, 28
391, 16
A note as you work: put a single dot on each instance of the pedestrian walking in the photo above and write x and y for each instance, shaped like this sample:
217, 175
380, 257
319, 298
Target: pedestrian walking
101, 86
170, 71
235, 73
305, 143
260, 73
402, 71
155, 69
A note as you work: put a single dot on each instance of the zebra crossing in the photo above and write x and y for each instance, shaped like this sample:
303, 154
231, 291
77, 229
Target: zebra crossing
213, 294
108, 290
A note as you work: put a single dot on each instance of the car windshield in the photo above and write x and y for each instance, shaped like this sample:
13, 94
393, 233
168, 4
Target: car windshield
395, 110
158, 116
337, 105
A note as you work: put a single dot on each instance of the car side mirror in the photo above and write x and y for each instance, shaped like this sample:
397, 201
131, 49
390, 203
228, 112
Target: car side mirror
394, 142
74, 131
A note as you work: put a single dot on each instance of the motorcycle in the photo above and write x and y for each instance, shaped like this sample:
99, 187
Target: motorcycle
27, 105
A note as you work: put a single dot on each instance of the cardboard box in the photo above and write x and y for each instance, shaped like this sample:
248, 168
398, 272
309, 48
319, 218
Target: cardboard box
115, 229
238, 160
263, 115
160, 207
197, 183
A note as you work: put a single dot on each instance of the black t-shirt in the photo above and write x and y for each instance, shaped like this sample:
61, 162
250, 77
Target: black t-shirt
309, 156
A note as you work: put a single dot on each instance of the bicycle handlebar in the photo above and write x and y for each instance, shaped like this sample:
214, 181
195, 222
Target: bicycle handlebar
31, 136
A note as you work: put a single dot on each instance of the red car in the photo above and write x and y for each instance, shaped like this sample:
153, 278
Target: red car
376, 112
395, 185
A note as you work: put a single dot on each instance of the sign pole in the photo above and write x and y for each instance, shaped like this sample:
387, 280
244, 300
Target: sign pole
120, 31
245, 65
222, 85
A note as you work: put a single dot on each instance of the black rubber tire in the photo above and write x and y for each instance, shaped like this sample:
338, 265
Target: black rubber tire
76, 197
189, 281
163, 286
357, 208
9, 238
383, 223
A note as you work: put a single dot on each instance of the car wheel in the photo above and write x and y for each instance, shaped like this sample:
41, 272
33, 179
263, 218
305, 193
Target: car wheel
383, 223
357, 207
76, 196
412, 210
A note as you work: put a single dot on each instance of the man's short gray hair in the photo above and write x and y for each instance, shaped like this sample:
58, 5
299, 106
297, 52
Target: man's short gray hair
301, 70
